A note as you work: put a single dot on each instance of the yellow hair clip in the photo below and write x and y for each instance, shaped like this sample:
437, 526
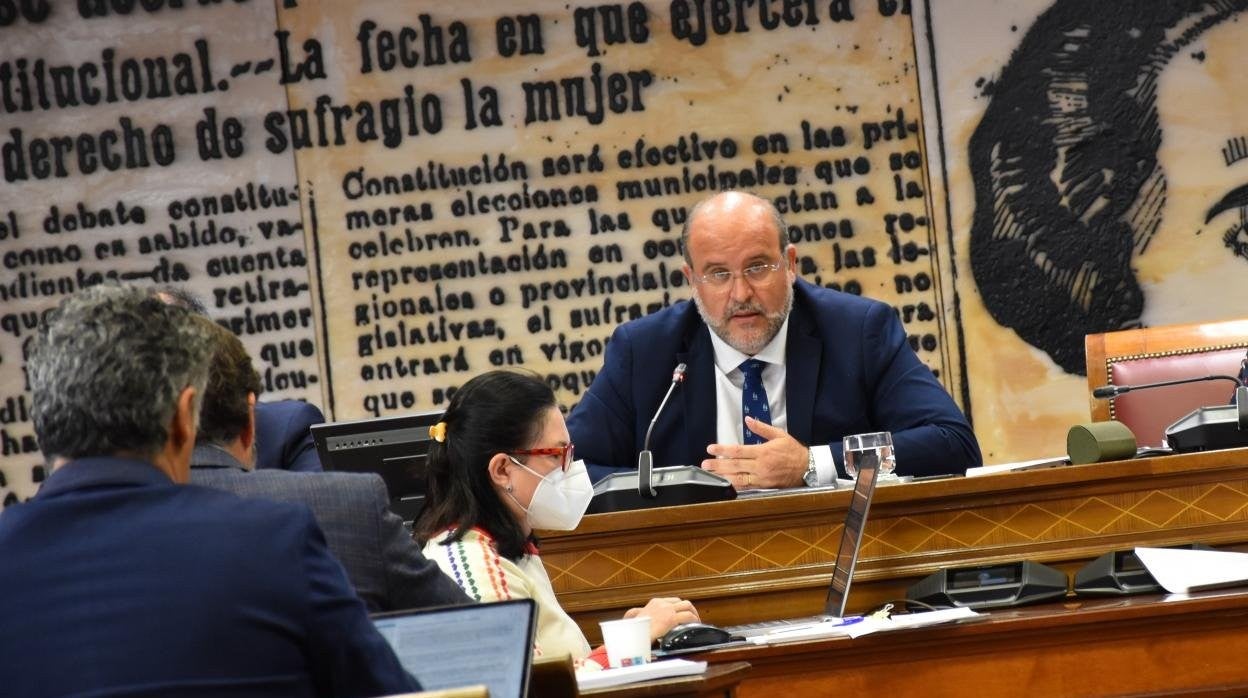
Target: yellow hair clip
438, 432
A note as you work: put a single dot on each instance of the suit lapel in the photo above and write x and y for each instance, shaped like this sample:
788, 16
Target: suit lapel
698, 395
804, 356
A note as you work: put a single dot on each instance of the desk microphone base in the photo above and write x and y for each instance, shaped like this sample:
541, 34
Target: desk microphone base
675, 485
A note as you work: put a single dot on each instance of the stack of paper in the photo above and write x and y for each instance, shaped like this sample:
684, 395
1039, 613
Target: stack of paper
640, 672
857, 627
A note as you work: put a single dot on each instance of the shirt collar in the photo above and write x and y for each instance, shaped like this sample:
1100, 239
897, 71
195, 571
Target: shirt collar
101, 471
728, 359
213, 456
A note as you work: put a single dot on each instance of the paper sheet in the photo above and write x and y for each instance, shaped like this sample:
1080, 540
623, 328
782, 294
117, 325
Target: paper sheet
666, 668
1180, 571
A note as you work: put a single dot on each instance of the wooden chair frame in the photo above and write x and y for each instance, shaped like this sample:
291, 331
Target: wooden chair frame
1103, 350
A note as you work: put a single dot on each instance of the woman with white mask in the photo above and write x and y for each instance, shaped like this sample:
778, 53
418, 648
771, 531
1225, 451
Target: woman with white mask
500, 466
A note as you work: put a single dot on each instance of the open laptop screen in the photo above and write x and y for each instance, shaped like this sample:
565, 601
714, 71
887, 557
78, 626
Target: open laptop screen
851, 539
843, 566
455, 646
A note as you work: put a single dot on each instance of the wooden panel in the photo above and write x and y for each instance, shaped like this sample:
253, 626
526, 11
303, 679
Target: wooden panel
754, 559
1133, 646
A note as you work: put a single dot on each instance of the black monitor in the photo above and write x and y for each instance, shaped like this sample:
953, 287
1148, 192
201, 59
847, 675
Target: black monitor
395, 448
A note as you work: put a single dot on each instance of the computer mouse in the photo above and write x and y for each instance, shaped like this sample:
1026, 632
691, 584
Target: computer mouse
689, 635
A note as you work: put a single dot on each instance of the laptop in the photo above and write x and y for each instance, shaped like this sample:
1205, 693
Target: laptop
842, 570
456, 646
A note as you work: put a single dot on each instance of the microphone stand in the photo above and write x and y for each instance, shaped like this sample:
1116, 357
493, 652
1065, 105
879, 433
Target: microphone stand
1205, 428
1110, 391
648, 486
645, 459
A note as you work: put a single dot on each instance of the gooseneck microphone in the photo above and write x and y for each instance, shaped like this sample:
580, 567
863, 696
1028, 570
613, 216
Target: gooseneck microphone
670, 485
1109, 391
645, 460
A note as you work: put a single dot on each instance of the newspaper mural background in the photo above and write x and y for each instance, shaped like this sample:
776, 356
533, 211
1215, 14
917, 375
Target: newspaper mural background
1094, 159
116, 165
386, 198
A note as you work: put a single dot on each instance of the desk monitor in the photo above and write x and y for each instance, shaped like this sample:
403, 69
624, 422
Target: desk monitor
393, 447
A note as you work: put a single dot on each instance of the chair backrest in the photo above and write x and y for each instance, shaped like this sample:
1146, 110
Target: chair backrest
1153, 354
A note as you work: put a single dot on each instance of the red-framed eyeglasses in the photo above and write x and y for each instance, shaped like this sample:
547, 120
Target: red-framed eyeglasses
564, 453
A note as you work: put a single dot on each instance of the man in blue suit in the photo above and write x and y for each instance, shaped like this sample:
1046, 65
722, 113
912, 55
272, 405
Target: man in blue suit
284, 438
382, 561
778, 370
116, 579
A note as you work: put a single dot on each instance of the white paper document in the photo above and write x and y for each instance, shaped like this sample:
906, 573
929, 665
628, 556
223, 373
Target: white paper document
1037, 464
856, 627
663, 669
919, 620
1180, 571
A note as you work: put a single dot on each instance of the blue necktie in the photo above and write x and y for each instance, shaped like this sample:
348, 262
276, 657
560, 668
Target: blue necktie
753, 399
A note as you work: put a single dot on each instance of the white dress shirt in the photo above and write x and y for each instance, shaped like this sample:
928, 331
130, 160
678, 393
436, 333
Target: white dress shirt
728, 382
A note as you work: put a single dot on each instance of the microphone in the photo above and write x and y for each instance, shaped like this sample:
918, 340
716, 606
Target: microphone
645, 459
1205, 428
1110, 391
648, 486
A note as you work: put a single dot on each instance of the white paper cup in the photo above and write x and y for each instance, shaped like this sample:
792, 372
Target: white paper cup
627, 641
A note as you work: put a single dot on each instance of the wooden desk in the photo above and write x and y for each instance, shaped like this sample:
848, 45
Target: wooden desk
1121, 647
720, 680
754, 559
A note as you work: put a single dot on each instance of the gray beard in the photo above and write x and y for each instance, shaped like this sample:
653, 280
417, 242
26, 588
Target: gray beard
774, 322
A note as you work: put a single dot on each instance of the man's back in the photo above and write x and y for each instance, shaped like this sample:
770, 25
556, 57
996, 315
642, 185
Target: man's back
115, 581
384, 564
283, 441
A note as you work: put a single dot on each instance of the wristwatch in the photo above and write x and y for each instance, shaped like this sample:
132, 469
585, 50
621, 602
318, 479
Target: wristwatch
811, 476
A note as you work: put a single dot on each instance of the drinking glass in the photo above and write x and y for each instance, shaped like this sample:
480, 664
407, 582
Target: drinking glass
870, 450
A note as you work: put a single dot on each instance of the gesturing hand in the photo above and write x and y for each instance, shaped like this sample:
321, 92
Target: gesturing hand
780, 461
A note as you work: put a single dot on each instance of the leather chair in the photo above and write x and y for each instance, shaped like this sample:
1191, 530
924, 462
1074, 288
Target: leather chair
1154, 354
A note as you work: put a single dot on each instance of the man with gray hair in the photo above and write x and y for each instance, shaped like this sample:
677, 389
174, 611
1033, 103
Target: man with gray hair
283, 439
382, 561
117, 579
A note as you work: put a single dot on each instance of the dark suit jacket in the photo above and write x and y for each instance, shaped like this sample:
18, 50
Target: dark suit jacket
116, 581
283, 441
382, 561
850, 371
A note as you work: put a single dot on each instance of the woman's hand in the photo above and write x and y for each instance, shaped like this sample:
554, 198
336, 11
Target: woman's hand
665, 614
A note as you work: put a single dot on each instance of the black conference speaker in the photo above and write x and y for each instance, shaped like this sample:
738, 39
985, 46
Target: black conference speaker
1120, 573
990, 586
674, 485
1210, 428
648, 486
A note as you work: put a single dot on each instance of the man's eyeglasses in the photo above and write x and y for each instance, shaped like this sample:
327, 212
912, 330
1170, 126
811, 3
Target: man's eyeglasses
753, 274
563, 452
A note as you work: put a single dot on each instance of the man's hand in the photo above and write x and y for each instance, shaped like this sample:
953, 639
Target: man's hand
779, 462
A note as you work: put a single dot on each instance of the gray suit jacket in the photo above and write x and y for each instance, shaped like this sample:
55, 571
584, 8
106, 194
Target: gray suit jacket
382, 561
